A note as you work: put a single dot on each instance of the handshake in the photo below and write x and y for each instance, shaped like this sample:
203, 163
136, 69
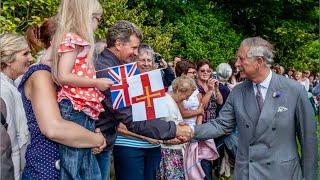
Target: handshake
184, 132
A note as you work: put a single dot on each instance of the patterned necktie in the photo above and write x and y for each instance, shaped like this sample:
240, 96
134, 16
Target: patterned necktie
259, 97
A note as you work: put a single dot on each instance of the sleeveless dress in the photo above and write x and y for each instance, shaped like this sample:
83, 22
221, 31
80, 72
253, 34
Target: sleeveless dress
42, 153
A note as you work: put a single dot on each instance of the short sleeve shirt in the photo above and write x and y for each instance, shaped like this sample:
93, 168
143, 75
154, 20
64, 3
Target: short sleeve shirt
86, 99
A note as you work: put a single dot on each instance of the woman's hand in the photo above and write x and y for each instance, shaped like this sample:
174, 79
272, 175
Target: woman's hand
213, 84
103, 145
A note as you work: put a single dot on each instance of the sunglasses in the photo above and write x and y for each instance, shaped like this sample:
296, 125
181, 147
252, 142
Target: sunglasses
203, 71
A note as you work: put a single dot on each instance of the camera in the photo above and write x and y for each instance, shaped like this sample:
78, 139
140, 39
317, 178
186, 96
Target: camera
214, 75
157, 58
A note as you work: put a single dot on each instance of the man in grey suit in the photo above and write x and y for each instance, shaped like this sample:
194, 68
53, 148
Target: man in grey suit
270, 111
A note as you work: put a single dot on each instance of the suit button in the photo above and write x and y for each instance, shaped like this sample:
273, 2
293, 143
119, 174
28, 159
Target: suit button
251, 160
268, 163
273, 129
251, 145
247, 125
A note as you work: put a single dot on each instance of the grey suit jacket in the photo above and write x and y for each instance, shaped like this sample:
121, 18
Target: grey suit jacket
269, 150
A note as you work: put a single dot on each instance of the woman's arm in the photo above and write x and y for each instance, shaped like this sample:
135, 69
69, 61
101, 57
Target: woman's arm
40, 89
206, 98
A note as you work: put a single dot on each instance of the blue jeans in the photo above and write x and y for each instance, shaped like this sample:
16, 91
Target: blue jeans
77, 163
207, 168
136, 163
104, 163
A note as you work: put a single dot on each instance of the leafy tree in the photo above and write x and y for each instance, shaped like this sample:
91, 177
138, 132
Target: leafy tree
198, 29
291, 25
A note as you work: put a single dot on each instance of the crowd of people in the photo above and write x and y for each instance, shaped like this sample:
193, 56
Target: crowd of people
240, 119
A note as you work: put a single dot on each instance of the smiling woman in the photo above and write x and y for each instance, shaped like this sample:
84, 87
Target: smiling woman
15, 60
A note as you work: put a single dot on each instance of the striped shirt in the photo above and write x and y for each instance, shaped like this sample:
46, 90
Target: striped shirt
130, 142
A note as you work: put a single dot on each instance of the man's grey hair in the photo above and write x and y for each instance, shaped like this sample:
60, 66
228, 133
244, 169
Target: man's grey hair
259, 47
122, 30
224, 71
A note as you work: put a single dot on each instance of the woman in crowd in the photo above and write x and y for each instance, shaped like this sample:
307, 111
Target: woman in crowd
191, 109
305, 80
291, 73
227, 145
224, 72
46, 126
209, 89
298, 77
171, 165
192, 112
235, 76
15, 60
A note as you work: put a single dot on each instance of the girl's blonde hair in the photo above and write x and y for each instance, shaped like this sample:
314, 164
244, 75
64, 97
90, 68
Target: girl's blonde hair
10, 44
183, 84
74, 16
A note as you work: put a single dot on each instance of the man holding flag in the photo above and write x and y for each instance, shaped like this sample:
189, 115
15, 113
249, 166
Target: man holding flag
123, 39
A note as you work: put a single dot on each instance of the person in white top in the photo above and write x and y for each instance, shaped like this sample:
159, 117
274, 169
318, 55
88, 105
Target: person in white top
15, 60
171, 165
191, 109
302, 80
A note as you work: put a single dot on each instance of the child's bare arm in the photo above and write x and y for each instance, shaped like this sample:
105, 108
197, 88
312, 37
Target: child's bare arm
189, 113
66, 77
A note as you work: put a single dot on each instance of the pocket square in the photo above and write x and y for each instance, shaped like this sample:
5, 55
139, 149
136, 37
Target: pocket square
282, 109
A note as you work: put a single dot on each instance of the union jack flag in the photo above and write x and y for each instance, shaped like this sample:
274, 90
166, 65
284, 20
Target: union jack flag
119, 90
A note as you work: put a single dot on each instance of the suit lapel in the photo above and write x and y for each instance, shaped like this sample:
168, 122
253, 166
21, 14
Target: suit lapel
250, 104
270, 107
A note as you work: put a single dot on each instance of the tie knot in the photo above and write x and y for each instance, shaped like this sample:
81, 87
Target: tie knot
258, 86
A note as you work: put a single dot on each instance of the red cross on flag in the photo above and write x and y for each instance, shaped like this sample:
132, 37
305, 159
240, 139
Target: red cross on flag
147, 95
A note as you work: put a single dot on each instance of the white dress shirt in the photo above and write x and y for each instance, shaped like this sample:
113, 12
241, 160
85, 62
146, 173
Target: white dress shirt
264, 85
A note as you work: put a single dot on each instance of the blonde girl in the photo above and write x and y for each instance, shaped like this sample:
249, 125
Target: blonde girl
79, 98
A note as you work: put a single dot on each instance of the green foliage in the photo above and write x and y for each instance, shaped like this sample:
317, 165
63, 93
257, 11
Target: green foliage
17, 15
206, 36
198, 29
292, 26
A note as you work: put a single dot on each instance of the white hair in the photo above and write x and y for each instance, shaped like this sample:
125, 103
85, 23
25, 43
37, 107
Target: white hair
259, 47
224, 71
146, 49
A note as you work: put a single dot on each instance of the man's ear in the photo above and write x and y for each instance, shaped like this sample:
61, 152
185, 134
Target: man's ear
260, 61
118, 44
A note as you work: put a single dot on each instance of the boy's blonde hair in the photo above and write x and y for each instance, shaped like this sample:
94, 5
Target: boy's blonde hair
10, 44
75, 16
